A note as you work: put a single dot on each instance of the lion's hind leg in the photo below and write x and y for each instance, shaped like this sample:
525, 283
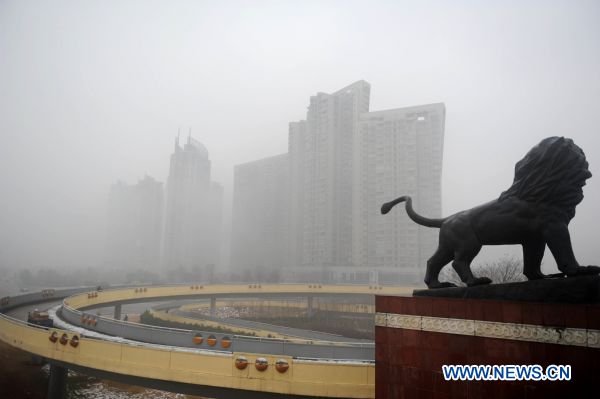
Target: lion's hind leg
462, 265
440, 258
463, 268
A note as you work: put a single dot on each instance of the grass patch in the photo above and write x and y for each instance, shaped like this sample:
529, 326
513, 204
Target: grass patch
147, 318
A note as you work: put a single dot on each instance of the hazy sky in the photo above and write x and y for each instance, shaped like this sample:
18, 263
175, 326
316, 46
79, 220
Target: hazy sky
94, 91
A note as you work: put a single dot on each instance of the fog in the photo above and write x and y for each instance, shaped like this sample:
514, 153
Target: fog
95, 91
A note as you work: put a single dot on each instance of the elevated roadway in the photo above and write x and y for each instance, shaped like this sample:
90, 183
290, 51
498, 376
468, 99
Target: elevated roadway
217, 366
283, 331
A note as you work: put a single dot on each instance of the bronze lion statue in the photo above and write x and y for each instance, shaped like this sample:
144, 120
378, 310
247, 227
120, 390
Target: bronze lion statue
534, 212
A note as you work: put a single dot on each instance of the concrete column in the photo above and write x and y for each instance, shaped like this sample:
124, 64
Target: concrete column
309, 305
374, 277
57, 383
213, 306
117, 312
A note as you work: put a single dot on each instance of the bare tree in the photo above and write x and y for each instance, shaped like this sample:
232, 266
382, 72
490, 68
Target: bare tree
507, 269
448, 274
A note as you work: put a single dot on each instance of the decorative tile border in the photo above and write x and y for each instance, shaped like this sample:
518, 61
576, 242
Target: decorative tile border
492, 329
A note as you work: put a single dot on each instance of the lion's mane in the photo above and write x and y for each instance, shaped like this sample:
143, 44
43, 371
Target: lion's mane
553, 172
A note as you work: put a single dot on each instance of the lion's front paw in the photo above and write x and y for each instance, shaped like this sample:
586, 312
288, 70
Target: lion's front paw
580, 270
441, 285
536, 275
555, 275
479, 281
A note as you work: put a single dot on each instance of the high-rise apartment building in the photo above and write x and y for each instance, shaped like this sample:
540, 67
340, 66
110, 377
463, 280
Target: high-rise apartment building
193, 211
343, 163
399, 152
260, 208
321, 151
134, 228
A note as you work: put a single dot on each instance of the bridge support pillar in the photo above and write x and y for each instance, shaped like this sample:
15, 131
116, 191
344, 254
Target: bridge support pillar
309, 301
57, 383
117, 315
213, 306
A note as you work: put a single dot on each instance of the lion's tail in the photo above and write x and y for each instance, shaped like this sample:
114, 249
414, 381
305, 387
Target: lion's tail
423, 221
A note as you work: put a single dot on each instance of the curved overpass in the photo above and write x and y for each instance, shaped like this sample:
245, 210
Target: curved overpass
200, 370
76, 310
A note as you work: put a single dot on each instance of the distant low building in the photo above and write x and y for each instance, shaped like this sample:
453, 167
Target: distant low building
134, 228
215, 225
260, 207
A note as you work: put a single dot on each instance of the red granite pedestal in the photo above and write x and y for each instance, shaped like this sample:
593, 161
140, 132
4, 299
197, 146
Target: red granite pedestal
415, 336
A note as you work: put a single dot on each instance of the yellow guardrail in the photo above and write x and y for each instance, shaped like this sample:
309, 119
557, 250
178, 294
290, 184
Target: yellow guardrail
255, 332
215, 324
140, 293
195, 367
281, 305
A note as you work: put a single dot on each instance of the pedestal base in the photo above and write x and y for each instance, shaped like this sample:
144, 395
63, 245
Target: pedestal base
416, 336
581, 289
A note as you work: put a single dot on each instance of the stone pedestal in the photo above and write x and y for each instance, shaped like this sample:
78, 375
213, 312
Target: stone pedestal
415, 336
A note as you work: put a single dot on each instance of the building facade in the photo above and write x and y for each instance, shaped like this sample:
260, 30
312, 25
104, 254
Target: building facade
193, 211
295, 200
134, 228
399, 152
322, 152
260, 208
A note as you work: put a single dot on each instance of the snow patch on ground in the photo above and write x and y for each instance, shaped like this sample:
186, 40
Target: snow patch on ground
102, 390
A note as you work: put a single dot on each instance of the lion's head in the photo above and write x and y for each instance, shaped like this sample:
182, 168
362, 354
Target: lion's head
553, 172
